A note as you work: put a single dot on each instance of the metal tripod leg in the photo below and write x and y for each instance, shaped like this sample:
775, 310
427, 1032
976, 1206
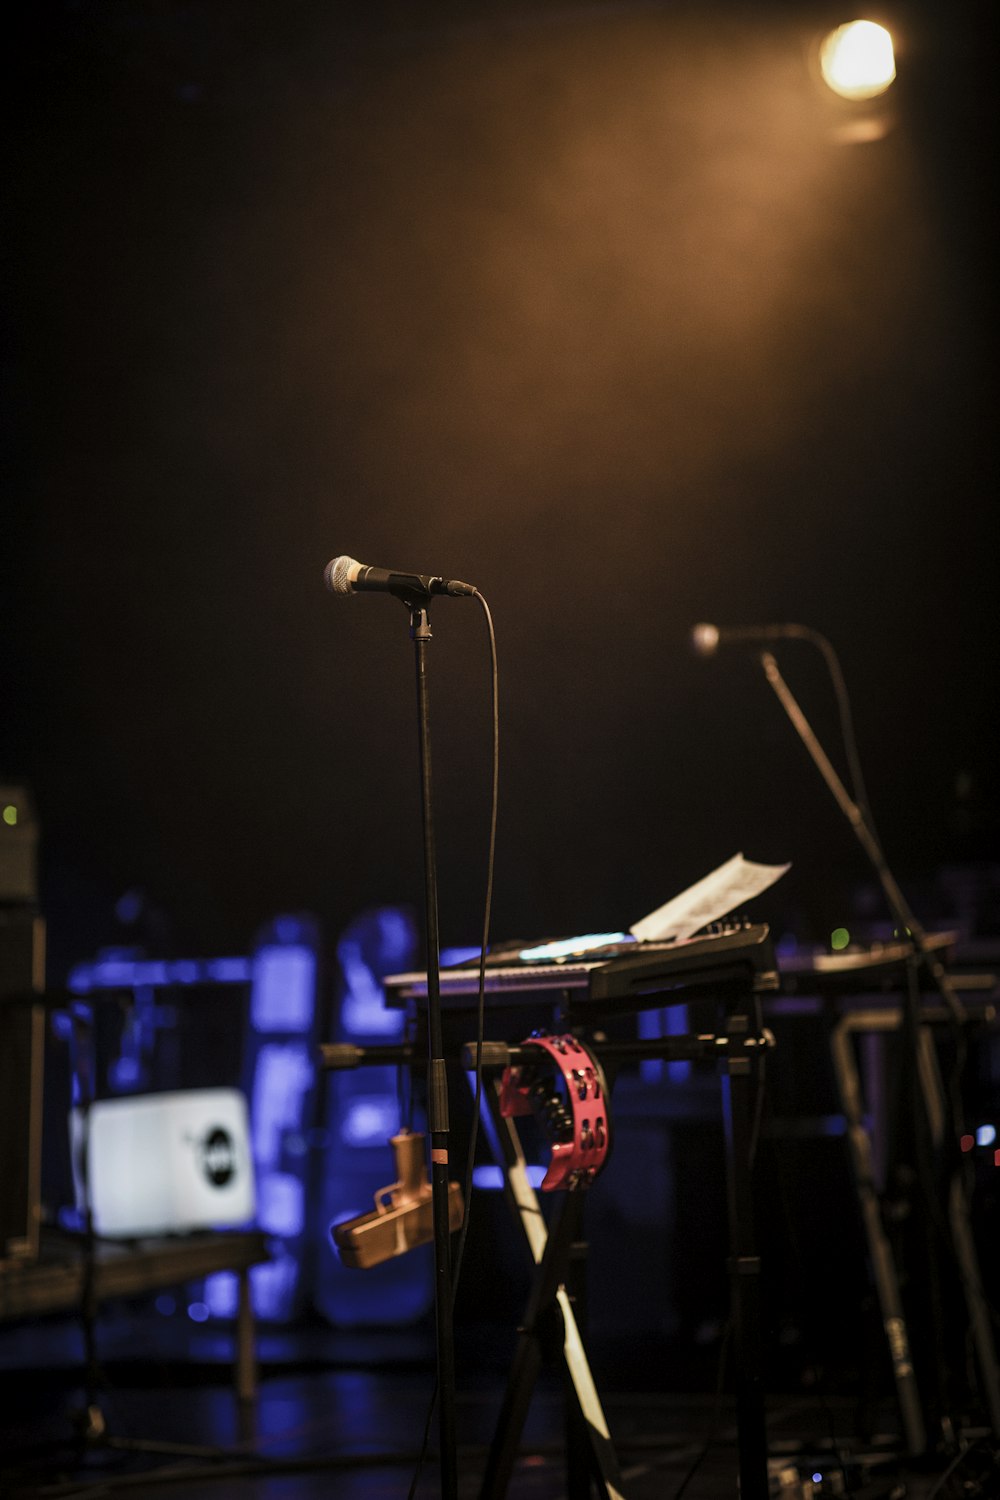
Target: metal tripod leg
883, 1264
550, 1258
961, 1234
740, 1086
879, 1249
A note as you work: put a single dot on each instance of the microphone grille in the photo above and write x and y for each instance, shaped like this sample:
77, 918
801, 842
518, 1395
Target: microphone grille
337, 574
705, 639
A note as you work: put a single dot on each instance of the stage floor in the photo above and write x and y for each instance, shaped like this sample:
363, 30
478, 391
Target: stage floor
343, 1416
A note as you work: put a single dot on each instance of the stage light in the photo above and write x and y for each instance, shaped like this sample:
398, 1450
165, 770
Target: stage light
221, 1293
491, 1178
986, 1135
281, 1205
284, 987
363, 1012
370, 1120
282, 1075
857, 60
274, 1285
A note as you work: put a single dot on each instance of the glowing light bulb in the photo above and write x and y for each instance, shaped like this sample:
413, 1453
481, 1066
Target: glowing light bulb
857, 60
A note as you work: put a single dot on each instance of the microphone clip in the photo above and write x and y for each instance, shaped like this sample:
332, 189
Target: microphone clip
414, 589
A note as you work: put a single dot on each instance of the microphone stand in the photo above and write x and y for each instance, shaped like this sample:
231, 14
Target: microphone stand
933, 1135
437, 1081
856, 816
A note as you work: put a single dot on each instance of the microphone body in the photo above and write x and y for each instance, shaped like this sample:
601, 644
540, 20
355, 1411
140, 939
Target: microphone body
707, 639
344, 575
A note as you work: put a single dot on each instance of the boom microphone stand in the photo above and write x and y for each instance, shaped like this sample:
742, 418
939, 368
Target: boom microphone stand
921, 954
860, 822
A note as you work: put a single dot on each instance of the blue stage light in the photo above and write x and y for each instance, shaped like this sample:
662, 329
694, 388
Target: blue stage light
229, 970
280, 1204
490, 1178
366, 1017
670, 1020
124, 971
275, 1284
363, 1011
370, 1120
125, 1075
221, 1293
451, 956
282, 1075
283, 997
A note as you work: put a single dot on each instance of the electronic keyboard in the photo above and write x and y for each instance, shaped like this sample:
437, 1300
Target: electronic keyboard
625, 975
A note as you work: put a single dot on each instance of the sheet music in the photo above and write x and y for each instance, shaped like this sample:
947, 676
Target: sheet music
731, 885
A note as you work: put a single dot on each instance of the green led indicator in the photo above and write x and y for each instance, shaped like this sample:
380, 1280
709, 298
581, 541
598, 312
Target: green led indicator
10, 815
839, 938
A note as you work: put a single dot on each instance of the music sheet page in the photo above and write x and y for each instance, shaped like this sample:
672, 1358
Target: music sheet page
731, 885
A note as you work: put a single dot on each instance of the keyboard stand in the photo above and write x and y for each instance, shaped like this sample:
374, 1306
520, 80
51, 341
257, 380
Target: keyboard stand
549, 1318
881, 1020
740, 1096
740, 1052
727, 971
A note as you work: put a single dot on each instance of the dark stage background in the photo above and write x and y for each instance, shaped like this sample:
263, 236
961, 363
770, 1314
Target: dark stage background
590, 305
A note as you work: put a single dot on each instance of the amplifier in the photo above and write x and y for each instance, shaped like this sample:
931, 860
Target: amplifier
152, 1164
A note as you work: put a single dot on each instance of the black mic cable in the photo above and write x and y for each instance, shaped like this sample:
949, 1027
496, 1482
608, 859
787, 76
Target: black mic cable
480, 1015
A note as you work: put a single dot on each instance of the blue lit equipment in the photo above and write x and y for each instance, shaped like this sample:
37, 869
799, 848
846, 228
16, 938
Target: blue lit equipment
282, 974
281, 1078
362, 1115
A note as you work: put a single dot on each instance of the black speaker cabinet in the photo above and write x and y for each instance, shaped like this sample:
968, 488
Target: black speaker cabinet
22, 1043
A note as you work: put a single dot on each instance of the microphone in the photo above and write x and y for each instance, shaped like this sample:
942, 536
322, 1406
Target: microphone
706, 639
344, 575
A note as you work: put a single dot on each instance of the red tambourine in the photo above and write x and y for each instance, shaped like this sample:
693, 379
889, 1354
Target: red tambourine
577, 1121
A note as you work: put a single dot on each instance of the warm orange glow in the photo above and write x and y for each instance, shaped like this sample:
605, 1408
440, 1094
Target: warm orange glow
857, 60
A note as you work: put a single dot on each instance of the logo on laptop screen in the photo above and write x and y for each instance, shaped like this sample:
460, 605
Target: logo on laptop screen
218, 1156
